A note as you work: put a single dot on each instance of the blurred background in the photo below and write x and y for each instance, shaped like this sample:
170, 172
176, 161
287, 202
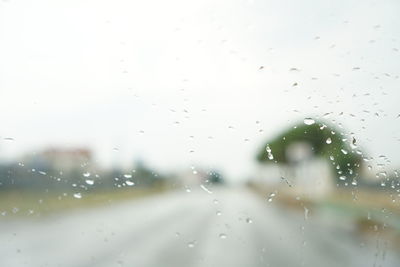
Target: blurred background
199, 133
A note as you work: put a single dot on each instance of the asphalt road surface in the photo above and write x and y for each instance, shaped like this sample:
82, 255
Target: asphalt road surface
228, 227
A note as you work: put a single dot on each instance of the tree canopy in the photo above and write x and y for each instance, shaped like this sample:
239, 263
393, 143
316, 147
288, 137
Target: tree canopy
325, 141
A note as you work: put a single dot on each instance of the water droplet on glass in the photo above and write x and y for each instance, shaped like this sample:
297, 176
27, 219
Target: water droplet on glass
306, 213
77, 195
342, 178
286, 181
382, 174
268, 149
86, 174
248, 220
222, 236
269, 152
129, 183
218, 213
89, 182
329, 141
353, 144
344, 151
191, 244
309, 121
128, 175
206, 189
271, 196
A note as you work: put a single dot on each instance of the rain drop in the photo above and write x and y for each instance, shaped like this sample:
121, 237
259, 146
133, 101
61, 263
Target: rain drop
309, 121
353, 143
306, 213
129, 183
271, 196
206, 189
269, 153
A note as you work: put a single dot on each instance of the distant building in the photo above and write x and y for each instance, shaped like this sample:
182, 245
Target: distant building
60, 160
192, 178
305, 174
67, 159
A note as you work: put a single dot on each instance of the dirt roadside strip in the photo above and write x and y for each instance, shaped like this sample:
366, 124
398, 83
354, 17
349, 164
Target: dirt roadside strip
369, 211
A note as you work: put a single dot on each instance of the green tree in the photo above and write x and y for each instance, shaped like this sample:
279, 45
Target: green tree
325, 141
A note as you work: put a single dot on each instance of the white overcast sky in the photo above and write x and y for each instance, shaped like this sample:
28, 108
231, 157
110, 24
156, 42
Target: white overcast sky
144, 76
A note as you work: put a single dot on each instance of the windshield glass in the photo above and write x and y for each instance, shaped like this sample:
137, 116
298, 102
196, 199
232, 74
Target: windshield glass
199, 133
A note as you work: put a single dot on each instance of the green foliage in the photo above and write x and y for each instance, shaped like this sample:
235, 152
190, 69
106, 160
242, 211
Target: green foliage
315, 135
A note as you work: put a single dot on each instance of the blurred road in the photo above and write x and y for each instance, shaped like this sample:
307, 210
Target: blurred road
229, 227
